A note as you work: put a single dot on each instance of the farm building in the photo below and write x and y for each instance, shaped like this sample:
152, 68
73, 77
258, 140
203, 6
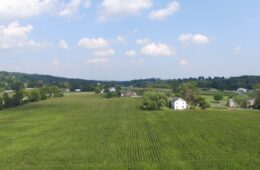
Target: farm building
242, 90
77, 90
178, 104
9, 91
112, 89
128, 93
67, 90
251, 103
231, 103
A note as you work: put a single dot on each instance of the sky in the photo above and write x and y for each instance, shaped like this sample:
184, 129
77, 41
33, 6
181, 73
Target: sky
125, 40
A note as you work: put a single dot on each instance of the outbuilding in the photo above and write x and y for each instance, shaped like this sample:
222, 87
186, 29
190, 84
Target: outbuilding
77, 90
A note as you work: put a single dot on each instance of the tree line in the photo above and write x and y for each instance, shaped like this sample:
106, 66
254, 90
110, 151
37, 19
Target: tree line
12, 80
23, 96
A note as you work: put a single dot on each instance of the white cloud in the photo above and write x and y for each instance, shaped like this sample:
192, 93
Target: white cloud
96, 61
157, 49
15, 30
15, 35
86, 3
185, 37
143, 41
163, 13
121, 8
14, 9
104, 53
200, 39
73, 6
183, 62
196, 38
121, 39
63, 44
93, 43
131, 54
237, 50
34, 44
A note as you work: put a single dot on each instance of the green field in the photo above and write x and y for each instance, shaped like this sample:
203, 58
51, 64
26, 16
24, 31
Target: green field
216, 105
84, 131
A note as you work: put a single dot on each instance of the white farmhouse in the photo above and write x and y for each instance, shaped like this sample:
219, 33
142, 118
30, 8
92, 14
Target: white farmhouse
178, 104
112, 89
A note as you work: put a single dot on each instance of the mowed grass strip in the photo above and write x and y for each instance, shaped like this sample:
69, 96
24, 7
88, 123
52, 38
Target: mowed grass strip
85, 131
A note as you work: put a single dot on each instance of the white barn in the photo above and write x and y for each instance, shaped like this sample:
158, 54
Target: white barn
178, 104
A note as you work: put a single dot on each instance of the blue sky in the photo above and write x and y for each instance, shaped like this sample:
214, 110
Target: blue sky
123, 40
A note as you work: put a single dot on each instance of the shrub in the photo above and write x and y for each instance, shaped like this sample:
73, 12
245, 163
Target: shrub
241, 100
202, 103
1, 103
34, 95
7, 101
17, 99
218, 96
154, 101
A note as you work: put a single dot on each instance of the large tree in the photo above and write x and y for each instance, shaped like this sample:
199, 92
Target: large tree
257, 96
154, 101
190, 92
202, 103
18, 98
218, 96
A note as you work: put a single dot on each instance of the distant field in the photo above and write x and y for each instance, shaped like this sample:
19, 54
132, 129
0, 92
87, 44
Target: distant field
217, 105
84, 131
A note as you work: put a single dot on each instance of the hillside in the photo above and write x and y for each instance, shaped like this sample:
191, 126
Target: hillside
8, 79
86, 131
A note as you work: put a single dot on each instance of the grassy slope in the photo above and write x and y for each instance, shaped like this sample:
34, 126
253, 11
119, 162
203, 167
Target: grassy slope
88, 132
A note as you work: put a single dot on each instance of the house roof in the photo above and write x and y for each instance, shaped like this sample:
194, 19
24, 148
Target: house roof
174, 99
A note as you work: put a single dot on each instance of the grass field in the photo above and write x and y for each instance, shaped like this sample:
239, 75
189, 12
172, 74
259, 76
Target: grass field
216, 105
84, 131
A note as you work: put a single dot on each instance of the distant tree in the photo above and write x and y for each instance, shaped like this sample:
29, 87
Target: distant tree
175, 85
256, 94
55, 91
44, 91
17, 99
1, 103
241, 100
98, 89
7, 101
17, 86
34, 95
112, 94
202, 103
218, 96
189, 92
